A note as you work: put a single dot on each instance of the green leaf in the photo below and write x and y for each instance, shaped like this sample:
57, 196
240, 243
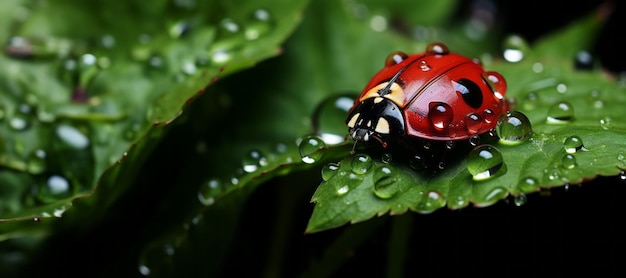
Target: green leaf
577, 134
87, 96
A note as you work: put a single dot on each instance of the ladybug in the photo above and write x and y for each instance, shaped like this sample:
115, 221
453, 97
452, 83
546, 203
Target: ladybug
431, 96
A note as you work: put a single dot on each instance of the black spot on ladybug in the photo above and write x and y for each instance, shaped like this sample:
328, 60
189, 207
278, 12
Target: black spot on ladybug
469, 91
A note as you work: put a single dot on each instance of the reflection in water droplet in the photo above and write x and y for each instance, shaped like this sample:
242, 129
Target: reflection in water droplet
484, 162
395, 58
514, 49
573, 144
560, 112
309, 149
514, 128
361, 163
385, 185
329, 170
437, 48
325, 118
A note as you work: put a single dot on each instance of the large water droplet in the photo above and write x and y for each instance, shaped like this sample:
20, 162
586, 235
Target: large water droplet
560, 112
309, 147
528, 184
385, 185
325, 122
484, 162
440, 115
573, 144
361, 163
513, 128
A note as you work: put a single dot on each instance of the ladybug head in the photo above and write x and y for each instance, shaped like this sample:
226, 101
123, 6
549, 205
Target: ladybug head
375, 117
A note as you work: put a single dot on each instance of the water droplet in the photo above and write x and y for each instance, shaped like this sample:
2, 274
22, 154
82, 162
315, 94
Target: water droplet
489, 116
209, 191
484, 162
474, 140
437, 48
496, 194
560, 112
361, 163
513, 128
325, 118
385, 182
386, 158
424, 66
431, 201
309, 149
55, 188
440, 115
72, 136
179, 29
253, 160
606, 122
568, 161
260, 25
561, 88
329, 170
497, 83
37, 162
378, 23
515, 48
343, 190
520, 200
22, 118
395, 58
528, 184
583, 60
622, 176
573, 144
473, 123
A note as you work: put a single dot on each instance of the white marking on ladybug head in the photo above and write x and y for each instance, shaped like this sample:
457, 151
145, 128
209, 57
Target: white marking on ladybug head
382, 126
352, 121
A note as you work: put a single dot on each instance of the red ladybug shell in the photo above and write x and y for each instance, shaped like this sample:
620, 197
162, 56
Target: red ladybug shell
435, 95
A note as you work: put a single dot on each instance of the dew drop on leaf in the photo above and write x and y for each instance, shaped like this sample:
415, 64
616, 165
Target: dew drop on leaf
55, 188
37, 162
528, 184
520, 200
361, 163
606, 122
568, 161
308, 149
573, 144
431, 201
495, 194
560, 112
72, 136
515, 48
208, 191
385, 185
259, 25
253, 160
329, 170
513, 128
484, 162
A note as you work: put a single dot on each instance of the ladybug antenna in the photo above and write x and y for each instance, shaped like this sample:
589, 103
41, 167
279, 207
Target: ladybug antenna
387, 89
